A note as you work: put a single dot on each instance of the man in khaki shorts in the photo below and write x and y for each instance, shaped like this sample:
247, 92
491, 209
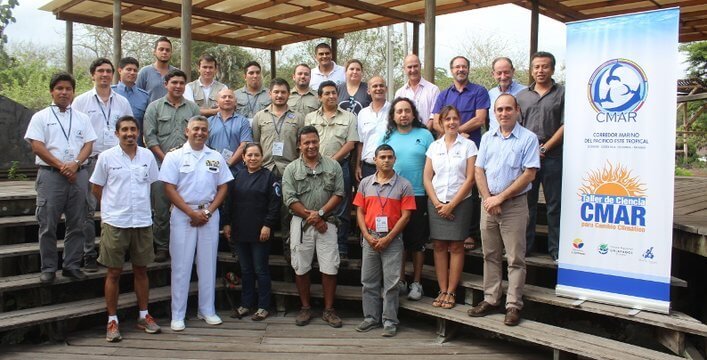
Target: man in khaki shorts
121, 182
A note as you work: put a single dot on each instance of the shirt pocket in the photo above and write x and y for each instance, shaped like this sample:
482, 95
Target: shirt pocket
329, 182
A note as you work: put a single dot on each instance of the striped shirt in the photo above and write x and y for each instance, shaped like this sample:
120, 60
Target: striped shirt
504, 159
388, 199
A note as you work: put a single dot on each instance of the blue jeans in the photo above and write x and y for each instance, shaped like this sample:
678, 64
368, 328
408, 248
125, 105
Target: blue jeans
343, 211
253, 257
550, 176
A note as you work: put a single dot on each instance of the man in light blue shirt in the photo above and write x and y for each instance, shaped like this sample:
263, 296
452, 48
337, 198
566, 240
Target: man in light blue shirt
151, 77
505, 168
138, 98
228, 131
502, 71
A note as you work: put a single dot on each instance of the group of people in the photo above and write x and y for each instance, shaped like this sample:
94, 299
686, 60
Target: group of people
171, 163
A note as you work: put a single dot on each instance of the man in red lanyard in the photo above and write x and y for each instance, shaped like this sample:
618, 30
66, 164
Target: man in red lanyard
385, 202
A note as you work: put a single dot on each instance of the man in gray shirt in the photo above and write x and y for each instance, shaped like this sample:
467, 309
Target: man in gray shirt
151, 77
252, 97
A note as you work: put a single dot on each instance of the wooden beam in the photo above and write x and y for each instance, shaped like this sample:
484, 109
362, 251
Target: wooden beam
273, 64
430, 24
67, 6
334, 49
235, 18
185, 36
534, 30
69, 47
561, 9
416, 38
687, 98
376, 9
171, 32
261, 6
117, 37
690, 38
302, 11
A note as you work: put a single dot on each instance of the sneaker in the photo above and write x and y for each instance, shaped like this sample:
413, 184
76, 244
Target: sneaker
113, 332
177, 325
402, 288
331, 318
389, 330
90, 264
210, 319
415, 291
240, 312
148, 324
367, 325
260, 315
304, 316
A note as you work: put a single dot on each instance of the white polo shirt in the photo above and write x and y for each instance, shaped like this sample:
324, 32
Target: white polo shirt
103, 116
125, 202
63, 133
371, 128
337, 75
450, 166
197, 174
424, 97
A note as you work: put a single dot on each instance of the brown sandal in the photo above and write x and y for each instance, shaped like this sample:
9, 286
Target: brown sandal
440, 299
446, 304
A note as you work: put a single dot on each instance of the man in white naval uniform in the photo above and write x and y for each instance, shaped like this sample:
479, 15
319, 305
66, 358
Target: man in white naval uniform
195, 181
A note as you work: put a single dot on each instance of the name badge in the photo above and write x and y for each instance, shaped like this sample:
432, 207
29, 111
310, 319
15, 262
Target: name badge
109, 138
278, 148
69, 155
226, 154
382, 224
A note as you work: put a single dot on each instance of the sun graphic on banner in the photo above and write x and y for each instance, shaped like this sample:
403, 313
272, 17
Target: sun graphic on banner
613, 180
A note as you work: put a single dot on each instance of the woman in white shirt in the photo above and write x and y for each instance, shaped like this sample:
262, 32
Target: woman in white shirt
448, 178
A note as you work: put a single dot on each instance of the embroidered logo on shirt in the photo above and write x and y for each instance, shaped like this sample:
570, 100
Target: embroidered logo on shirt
213, 163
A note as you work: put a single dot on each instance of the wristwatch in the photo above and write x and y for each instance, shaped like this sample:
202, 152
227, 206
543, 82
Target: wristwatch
321, 213
78, 162
207, 213
543, 149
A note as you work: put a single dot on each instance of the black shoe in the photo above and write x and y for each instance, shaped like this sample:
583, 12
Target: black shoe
75, 274
90, 264
47, 277
161, 256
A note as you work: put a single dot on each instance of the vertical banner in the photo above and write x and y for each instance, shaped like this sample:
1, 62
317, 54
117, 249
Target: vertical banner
619, 159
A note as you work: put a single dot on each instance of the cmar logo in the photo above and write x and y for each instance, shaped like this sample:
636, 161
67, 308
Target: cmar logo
617, 90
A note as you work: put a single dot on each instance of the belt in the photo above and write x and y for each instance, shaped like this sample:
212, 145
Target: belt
199, 207
51, 168
365, 162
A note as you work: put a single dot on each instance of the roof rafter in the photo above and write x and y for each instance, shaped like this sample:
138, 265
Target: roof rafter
377, 9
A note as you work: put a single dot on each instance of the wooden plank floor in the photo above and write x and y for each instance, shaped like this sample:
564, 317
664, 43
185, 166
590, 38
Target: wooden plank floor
277, 338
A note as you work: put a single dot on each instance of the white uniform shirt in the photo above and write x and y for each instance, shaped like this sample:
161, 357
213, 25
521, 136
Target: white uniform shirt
103, 116
197, 174
189, 94
450, 166
125, 202
424, 97
371, 128
337, 75
63, 133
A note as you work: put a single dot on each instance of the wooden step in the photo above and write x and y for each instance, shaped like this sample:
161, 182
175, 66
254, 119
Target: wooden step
279, 260
561, 339
44, 314
29, 248
343, 292
30, 220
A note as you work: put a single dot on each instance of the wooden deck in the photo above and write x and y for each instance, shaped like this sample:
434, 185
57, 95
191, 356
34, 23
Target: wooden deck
277, 338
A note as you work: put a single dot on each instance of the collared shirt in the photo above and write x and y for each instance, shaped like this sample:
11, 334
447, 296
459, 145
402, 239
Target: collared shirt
268, 129
125, 201
504, 159
312, 188
151, 80
197, 174
204, 96
472, 97
543, 115
371, 127
337, 75
103, 116
424, 97
303, 104
138, 99
494, 93
228, 134
333, 132
165, 124
388, 199
450, 166
63, 133
410, 155
249, 104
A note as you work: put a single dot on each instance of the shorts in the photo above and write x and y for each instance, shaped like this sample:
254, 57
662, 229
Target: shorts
304, 242
115, 242
417, 231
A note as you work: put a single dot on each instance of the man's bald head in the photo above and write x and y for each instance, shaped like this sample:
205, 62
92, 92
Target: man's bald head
411, 67
226, 100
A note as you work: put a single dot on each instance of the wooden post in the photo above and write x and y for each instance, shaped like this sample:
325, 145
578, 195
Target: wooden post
334, 49
534, 22
273, 68
430, 12
685, 148
415, 38
69, 50
186, 38
117, 37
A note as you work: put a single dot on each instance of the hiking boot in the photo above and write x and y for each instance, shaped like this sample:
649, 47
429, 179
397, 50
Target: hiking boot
90, 264
148, 324
113, 332
415, 291
367, 325
240, 312
260, 315
331, 318
304, 316
389, 330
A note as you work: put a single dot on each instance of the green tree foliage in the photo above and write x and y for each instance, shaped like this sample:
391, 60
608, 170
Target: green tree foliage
696, 53
481, 51
696, 59
5, 19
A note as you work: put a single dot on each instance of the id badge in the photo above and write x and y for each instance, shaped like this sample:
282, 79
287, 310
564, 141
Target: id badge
382, 224
69, 155
226, 154
278, 148
109, 138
